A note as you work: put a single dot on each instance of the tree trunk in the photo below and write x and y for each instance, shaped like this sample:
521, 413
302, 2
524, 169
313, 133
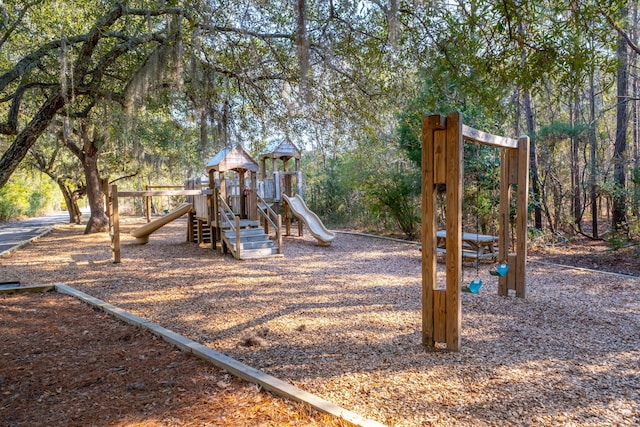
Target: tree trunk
576, 200
619, 212
635, 123
28, 136
302, 42
98, 221
204, 129
533, 161
87, 151
71, 200
533, 157
593, 178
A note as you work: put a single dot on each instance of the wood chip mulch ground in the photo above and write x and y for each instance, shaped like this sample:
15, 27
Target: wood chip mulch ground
63, 363
342, 322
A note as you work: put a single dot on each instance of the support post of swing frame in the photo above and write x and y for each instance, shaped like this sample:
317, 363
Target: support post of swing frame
442, 157
442, 163
514, 171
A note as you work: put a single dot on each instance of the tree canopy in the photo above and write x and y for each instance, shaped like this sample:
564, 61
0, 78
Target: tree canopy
165, 84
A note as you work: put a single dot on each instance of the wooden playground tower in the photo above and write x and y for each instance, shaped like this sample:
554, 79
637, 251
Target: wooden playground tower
235, 210
443, 163
232, 159
282, 180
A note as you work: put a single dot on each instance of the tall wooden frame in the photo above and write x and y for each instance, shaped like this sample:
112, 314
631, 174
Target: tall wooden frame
443, 163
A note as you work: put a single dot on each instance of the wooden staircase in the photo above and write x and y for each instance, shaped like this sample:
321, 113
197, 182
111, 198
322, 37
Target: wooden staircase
254, 243
206, 231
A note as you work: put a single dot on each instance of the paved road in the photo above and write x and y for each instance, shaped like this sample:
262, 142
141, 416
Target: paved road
13, 234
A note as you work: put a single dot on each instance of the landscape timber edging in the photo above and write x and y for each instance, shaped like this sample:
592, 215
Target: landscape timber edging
224, 362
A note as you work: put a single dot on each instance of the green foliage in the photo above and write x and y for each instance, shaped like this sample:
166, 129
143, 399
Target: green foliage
481, 188
635, 176
617, 239
20, 197
396, 195
37, 201
558, 131
443, 90
14, 199
373, 187
332, 196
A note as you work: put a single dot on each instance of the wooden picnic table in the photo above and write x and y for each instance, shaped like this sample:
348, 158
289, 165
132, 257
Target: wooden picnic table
474, 246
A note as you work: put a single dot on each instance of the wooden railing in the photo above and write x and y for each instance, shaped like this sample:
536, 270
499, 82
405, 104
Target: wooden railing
224, 213
201, 206
276, 222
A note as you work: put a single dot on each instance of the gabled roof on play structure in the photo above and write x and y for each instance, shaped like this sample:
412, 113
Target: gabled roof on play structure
279, 148
232, 158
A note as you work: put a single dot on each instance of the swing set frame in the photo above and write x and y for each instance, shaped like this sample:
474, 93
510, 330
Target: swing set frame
443, 163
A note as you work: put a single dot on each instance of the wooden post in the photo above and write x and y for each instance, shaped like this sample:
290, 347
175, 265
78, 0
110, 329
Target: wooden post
200, 232
455, 179
147, 205
522, 197
287, 191
277, 196
504, 211
432, 131
243, 199
222, 193
263, 168
216, 235
279, 233
428, 237
514, 171
223, 186
191, 216
116, 223
443, 163
253, 198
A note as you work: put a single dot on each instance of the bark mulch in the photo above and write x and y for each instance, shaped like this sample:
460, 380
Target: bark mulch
342, 322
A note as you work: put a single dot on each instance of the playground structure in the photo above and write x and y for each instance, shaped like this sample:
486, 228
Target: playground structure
142, 234
279, 182
279, 187
232, 212
443, 163
316, 227
228, 208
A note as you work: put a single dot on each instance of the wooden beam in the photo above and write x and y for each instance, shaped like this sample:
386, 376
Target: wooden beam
503, 218
164, 187
116, 224
161, 193
475, 135
440, 156
429, 228
455, 179
522, 200
34, 288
